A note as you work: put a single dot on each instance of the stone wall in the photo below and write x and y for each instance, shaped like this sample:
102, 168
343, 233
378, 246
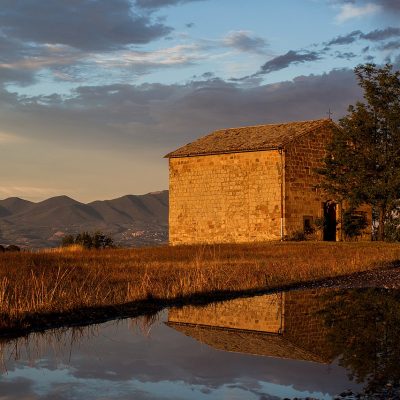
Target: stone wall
304, 322
227, 198
261, 313
302, 157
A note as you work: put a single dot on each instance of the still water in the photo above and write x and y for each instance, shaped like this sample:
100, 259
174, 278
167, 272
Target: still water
313, 344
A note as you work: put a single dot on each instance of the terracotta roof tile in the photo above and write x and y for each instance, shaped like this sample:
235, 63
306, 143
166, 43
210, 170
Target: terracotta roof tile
250, 138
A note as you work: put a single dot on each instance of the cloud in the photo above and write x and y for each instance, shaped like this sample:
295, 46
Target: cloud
119, 133
144, 62
387, 6
14, 75
10, 138
345, 39
381, 34
20, 62
153, 4
393, 45
350, 11
346, 55
285, 60
373, 36
90, 25
390, 5
129, 117
377, 35
246, 42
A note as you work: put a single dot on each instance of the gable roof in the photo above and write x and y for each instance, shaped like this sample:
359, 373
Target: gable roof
250, 138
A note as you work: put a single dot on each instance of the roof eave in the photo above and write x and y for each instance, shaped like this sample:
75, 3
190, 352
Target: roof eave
171, 155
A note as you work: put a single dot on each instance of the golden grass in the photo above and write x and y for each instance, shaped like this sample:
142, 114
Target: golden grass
72, 248
62, 281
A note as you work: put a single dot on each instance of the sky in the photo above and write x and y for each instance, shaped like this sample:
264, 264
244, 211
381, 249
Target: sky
93, 93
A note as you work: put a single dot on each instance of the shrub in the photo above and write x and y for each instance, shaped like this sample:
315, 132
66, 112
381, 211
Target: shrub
354, 223
297, 236
87, 240
392, 228
12, 247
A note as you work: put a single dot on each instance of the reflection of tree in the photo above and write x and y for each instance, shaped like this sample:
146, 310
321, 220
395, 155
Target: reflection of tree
364, 332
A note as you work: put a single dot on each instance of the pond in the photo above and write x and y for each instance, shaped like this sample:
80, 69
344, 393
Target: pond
305, 344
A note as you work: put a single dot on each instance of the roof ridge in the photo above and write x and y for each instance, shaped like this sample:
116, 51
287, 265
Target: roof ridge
272, 124
251, 138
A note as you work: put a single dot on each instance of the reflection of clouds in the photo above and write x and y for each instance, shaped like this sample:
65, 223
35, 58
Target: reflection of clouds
18, 388
117, 360
62, 384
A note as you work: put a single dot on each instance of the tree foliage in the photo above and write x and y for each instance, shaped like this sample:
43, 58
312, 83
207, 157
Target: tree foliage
353, 223
96, 240
362, 165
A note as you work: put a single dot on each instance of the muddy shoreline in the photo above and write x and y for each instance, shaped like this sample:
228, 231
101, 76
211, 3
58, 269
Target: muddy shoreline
385, 278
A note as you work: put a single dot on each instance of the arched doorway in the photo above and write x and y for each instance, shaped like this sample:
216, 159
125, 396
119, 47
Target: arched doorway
330, 221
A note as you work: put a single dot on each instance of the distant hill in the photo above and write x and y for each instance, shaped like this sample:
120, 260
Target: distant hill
131, 220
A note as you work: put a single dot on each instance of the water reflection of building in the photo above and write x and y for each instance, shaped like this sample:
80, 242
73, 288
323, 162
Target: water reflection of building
284, 325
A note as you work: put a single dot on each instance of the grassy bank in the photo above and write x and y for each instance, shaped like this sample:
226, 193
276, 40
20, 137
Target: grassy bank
36, 286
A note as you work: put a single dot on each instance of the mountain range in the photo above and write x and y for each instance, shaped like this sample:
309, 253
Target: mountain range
131, 220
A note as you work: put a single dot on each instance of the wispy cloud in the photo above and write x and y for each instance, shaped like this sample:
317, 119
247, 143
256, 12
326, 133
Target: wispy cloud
245, 41
10, 138
145, 62
285, 60
87, 25
350, 11
156, 4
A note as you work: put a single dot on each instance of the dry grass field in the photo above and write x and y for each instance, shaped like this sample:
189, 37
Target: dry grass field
36, 285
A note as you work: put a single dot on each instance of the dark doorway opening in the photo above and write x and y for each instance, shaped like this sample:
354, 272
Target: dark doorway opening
330, 221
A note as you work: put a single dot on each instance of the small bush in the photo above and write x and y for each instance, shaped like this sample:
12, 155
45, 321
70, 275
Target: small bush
392, 229
354, 223
12, 247
87, 240
297, 236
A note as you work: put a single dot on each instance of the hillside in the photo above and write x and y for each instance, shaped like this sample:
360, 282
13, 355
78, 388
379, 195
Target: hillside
131, 220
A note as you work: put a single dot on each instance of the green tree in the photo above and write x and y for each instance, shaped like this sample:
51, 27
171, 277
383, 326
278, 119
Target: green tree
96, 240
362, 165
392, 227
67, 240
353, 223
101, 241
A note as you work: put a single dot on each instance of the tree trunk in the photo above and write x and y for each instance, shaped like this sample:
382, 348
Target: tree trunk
381, 227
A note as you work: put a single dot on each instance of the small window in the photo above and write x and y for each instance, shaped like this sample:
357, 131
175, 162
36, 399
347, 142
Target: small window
308, 225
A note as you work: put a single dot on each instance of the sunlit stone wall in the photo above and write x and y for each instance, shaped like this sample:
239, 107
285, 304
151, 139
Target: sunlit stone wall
225, 198
261, 313
302, 199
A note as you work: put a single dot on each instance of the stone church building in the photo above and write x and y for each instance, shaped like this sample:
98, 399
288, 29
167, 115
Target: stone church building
249, 184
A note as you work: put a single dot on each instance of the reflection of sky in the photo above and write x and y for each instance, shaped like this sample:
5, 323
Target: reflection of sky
61, 383
117, 361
